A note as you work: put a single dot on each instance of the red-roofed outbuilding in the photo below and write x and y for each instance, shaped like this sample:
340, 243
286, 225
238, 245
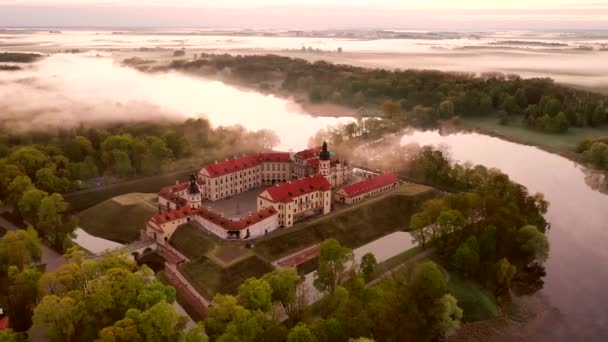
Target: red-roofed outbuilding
366, 188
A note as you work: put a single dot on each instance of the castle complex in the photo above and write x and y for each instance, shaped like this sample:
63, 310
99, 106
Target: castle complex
298, 186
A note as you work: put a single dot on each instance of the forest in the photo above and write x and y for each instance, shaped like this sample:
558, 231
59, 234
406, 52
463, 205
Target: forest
423, 96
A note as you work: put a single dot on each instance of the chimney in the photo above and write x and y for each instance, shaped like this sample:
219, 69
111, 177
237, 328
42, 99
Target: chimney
159, 210
250, 213
176, 182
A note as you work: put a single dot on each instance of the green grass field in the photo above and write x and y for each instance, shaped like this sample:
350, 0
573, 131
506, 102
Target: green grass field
476, 302
118, 219
353, 227
209, 278
192, 241
517, 131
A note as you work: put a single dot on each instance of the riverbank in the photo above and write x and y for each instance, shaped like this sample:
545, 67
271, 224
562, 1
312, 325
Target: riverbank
561, 144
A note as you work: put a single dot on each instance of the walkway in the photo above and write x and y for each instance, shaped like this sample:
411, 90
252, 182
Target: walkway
298, 257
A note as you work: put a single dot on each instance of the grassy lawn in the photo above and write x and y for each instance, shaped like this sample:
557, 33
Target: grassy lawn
476, 302
518, 131
353, 227
210, 278
118, 219
192, 241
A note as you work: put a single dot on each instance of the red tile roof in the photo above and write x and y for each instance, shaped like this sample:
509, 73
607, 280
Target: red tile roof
174, 198
285, 192
172, 215
239, 224
313, 162
246, 162
309, 153
275, 157
4, 323
174, 188
370, 184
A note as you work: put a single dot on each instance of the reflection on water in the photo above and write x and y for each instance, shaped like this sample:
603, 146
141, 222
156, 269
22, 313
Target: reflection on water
577, 266
73, 88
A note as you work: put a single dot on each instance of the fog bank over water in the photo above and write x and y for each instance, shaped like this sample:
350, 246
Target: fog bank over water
574, 57
65, 90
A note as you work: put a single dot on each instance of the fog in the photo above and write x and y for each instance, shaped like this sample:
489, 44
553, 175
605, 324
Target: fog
66, 90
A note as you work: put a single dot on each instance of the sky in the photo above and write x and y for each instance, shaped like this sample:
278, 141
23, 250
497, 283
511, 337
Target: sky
309, 14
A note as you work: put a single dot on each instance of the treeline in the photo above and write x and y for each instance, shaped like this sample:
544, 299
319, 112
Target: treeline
423, 96
58, 161
595, 152
19, 57
84, 300
491, 230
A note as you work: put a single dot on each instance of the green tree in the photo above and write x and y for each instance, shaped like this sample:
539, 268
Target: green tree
447, 315
368, 265
300, 333
533, 244
20, 248
159, 323
9, 335
22, 296
510, 105
446, 109
48, 181
428, 284
121, 163
334, 262
284, 282
255, 294
30, 203
503, 275
466, 258
223, 310
30, 159
16, 189
59, 316
246, 328
52, 223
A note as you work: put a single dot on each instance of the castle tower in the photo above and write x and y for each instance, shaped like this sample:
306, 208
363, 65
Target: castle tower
325, 163
195, 198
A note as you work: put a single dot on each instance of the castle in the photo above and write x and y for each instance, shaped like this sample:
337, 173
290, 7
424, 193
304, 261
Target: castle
298, 186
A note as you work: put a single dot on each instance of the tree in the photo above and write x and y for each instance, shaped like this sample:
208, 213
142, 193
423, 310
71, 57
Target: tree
48, 181
22, 296
9, 335
20, 248
447, 315
121, 163
161, 322
17, 188
466, 259
334, 262
30, 159
597, 154
60, 316
51, 220
503, 274
30, 203
255, 294
428, 284
300, 333
533, 244
284, 285
223, 310
368, 265
247, 328
510, 105
392, 109
446, 109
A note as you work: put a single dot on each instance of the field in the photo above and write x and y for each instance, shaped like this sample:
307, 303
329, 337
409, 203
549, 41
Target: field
119, 219
476, 302
210, 278
353, 227
192, 241
564, 144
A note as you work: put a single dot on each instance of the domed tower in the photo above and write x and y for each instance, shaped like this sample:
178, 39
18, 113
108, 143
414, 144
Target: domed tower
325, 163
194, 193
